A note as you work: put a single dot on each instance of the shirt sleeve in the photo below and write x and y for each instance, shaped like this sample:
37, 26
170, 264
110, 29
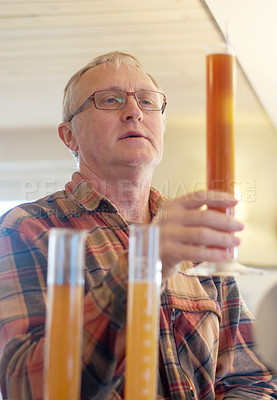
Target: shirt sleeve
23, 272
22, 314
240, 373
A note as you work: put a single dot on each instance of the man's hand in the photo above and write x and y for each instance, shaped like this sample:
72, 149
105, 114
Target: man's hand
190, 233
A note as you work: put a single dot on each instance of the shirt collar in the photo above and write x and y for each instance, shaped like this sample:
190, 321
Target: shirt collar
82, 192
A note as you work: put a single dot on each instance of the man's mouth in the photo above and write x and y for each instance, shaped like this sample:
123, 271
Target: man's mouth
132, 136
128, 135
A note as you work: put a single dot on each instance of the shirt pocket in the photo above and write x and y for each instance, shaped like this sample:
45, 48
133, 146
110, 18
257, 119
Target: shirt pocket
196, 339
195, 322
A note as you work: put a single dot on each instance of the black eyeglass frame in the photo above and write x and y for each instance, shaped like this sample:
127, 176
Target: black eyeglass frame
91, 99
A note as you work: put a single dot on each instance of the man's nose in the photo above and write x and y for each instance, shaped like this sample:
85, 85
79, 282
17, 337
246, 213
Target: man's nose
131, 109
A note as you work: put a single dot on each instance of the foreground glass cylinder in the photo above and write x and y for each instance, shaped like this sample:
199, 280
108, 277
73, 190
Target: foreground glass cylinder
64, 320
143, 312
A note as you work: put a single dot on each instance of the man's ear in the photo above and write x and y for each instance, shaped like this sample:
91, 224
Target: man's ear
67, 136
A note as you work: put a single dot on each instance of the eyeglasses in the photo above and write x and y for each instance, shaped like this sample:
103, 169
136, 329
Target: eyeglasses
147, 100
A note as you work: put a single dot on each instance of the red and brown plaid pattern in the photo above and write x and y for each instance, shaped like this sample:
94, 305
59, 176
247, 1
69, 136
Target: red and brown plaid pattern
206, 331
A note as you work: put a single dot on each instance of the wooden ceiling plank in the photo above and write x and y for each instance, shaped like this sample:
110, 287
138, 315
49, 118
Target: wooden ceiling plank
104, 19
28, 9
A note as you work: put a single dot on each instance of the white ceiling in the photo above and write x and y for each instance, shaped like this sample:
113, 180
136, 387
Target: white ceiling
42, 43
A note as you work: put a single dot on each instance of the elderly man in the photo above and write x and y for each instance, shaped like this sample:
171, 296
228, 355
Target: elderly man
113, 123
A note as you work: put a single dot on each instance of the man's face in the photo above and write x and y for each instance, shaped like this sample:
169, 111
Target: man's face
101, 135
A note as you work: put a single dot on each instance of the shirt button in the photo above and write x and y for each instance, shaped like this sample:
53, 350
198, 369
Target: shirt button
169, 352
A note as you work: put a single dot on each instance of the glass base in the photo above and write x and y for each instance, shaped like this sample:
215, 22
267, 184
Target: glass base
228, 267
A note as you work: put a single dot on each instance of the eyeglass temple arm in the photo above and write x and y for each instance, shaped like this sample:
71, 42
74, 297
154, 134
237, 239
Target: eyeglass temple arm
82, 106
164, 104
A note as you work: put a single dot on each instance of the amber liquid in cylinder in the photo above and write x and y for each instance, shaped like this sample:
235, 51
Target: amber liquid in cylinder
63, 350
142, 341
220, 124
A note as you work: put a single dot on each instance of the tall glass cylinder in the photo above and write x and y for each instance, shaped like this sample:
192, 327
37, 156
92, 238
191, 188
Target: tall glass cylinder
220, 73
220, 87
64, 319
143, 313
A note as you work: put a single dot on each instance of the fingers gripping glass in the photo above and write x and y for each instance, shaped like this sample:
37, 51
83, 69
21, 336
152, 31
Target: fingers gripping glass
147, 100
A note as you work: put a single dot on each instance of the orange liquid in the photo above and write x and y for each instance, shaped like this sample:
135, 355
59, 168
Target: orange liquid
220, 123
142, 342
63, 349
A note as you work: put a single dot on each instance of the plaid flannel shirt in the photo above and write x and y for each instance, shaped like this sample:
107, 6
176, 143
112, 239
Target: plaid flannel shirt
206, 332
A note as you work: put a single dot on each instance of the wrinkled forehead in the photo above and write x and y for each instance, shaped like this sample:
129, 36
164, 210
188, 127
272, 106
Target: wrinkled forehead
105, 76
